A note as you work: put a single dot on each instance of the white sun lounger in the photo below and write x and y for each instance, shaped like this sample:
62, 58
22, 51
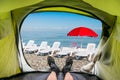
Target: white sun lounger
66, 51
55, 47
29, 44
43, 46
91, 49
82, 52
63, 52
31, 47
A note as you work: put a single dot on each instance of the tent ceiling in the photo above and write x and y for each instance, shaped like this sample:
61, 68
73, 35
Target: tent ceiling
7, 5
106, 5
61, 9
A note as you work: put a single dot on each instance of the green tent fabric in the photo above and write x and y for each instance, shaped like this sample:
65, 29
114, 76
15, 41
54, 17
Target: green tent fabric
13, 12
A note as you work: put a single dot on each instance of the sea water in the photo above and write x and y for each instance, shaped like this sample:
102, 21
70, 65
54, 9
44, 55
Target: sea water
58, 35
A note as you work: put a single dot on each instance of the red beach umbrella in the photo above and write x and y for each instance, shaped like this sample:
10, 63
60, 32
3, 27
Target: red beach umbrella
82, 31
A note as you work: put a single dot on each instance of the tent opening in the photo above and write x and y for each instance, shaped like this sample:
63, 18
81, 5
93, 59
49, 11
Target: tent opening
41, 30
13, 14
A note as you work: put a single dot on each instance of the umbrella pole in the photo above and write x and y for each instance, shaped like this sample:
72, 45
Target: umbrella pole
81, 42
81, 45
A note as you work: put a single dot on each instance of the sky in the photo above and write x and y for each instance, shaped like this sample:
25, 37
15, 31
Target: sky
58, 21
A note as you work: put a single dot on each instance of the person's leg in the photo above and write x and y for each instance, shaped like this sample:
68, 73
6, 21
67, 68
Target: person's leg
54, 69
68, 76
66, 69
52, 76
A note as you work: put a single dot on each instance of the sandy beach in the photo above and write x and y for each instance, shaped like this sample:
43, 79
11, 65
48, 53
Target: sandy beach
40, 62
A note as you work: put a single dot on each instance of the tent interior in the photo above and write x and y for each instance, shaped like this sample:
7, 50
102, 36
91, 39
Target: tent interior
13, 13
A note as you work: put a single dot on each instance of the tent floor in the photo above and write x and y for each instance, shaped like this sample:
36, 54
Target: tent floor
43, 76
